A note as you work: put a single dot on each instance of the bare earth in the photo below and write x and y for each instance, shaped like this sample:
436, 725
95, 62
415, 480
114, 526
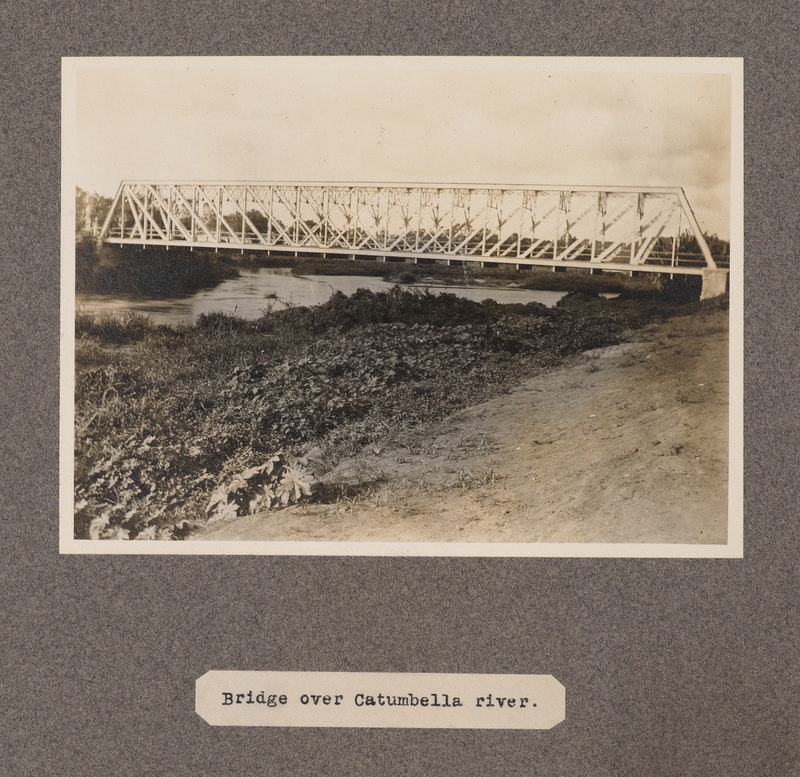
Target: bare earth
626, 444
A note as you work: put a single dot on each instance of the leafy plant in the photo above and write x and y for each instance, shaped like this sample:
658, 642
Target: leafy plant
281, 480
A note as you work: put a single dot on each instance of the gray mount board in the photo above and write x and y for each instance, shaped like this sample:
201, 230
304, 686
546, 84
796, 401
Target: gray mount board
671, 666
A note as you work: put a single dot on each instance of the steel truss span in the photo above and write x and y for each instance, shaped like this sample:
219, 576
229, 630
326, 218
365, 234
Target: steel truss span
646, 229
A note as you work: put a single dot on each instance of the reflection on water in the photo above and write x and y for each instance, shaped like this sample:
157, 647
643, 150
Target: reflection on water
256, 291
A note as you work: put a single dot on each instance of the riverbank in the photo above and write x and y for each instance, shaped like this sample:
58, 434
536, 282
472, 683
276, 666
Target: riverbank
622, 444
167, 415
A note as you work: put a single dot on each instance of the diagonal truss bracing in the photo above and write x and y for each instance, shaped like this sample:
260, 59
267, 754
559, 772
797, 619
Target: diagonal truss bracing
649, 229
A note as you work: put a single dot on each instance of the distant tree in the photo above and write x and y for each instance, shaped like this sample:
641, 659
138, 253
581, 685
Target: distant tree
720, 249
90, 211
259, 220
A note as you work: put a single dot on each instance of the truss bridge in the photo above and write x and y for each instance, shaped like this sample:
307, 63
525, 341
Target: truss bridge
652, 230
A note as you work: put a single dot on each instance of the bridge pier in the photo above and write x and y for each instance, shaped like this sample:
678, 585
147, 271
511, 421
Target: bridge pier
715, 283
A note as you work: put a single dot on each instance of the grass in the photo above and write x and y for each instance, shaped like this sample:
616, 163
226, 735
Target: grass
165, 415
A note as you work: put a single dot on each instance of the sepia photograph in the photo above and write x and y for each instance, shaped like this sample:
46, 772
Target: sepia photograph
475, 306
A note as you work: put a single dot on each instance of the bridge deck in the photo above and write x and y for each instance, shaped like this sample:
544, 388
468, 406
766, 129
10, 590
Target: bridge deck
280, 250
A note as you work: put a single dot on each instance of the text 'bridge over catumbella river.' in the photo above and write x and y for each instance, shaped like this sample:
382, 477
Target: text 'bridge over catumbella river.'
624, 229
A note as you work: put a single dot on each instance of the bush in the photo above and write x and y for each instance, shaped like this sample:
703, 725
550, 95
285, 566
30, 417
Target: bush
156, 272
116, 330
218, 322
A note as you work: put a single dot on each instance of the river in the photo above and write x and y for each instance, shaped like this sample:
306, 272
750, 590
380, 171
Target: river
258, 290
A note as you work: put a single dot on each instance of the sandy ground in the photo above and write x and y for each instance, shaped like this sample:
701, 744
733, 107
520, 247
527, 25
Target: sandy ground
626, 444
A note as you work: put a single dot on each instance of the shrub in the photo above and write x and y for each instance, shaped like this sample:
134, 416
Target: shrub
280, 481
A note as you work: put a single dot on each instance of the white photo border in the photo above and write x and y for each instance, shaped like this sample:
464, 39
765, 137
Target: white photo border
734, 548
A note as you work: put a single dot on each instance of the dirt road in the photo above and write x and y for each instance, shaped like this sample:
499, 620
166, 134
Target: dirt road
626, 444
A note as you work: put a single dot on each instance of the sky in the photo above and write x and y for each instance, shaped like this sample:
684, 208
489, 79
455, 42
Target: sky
589, 122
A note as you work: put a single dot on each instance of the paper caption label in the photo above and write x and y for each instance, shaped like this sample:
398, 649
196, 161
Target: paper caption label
380, 700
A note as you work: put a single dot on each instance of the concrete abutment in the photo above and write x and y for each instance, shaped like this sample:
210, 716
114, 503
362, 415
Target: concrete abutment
715, 283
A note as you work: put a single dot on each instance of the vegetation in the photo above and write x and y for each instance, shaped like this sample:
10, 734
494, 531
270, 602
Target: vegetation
156, 272
280, 480
176, 426
90, 211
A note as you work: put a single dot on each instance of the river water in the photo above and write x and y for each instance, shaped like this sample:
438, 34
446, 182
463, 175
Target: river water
256, 291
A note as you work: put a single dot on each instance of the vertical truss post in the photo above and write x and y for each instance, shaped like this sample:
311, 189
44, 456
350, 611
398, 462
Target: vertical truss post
193, 216
418, 236
169, 213
271, 211
244, 213
297, 215
485, 222
387, 214
145, 212
452, 219
556, 236
217, 219
354, 244
326, 216
675, 238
